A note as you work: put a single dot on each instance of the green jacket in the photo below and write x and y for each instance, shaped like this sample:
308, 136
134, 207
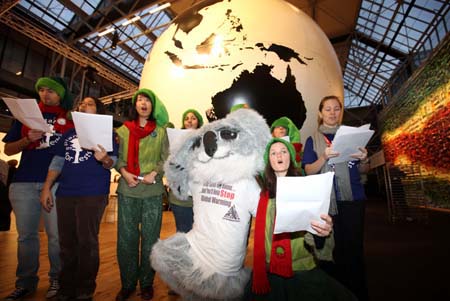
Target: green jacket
304, 251
302, 259
153, 151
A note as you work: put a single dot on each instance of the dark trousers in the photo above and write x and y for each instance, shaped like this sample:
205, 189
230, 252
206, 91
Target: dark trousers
349, 266
184, 217
78, 225
5, 208
304, 285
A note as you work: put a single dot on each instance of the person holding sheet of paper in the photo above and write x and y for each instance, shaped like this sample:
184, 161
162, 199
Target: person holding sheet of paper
182, 209
143, 148
284, 265
82, 195
347, 198
35, 145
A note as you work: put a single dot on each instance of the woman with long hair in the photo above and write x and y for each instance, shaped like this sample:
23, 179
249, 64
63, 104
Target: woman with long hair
82, 195
284, 265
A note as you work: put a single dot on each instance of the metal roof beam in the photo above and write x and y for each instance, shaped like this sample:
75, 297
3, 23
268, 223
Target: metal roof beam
405, 15
79, 13
44, 38
380, 46
7, 5
125, 47
102, 17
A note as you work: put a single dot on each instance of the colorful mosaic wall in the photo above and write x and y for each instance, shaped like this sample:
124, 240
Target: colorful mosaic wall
416, 127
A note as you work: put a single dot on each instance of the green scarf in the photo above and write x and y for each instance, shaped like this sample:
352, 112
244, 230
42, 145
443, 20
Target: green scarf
342, 174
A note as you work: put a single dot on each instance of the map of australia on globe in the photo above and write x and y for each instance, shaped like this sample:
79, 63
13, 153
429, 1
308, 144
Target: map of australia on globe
265, 53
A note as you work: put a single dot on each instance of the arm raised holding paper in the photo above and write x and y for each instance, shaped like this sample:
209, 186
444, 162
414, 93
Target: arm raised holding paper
35, 133
293, 253
17, 146
81, 178
335, 148
323, 229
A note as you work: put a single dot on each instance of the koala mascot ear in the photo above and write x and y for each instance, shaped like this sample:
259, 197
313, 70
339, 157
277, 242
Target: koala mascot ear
176, 167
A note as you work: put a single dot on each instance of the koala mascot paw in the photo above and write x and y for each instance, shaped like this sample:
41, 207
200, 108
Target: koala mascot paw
217, 165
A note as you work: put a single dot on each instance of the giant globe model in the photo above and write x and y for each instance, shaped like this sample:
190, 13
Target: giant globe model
265, 53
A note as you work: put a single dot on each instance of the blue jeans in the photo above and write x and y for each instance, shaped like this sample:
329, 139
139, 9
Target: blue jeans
25, 200
184, 217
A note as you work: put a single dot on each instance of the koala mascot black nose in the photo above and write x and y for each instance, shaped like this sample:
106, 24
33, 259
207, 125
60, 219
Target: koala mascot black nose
210, 143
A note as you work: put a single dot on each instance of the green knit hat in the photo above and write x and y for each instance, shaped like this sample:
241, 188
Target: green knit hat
58, 85
159, 111
292, 130
239, 106
288, 145
196, 113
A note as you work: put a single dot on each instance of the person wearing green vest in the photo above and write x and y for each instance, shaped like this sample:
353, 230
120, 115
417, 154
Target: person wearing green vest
182, 209
284, 265
143, 148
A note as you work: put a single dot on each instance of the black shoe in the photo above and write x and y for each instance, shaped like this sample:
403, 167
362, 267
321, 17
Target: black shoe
147, 293
65, 298
124, 294
18, 294
84, 297
52, 289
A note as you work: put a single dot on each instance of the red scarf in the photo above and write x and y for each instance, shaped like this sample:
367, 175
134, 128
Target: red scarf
61, 125
136, 133
298, 148
280, 264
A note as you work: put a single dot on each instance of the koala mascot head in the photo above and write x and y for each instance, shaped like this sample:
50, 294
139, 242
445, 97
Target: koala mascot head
226, 150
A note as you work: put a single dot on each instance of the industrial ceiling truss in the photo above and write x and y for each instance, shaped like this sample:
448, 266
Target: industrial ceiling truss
114, 37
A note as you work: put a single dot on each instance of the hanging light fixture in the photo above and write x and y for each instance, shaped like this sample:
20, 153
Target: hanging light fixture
115, 40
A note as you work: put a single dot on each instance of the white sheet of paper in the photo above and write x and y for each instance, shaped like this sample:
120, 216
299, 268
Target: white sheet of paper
301, 200
93, 129
27, 112
347, 141
176, 138
286, 138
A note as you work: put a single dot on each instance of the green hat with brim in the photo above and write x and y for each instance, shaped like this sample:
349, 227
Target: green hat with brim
159, 111
288, 145
292, 130
196, 113
58, 85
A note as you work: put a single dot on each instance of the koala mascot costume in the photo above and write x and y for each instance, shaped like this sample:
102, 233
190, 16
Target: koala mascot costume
217, 165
